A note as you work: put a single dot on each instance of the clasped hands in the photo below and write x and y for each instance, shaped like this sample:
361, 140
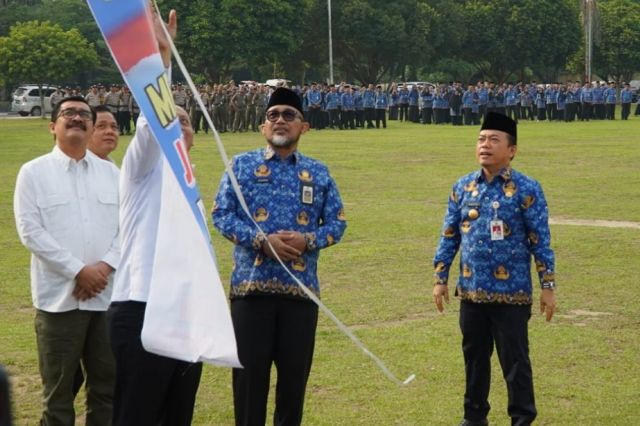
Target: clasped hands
288, 245
91, 280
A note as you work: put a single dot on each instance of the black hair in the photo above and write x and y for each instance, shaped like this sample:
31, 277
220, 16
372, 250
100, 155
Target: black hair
56, 109
102, 108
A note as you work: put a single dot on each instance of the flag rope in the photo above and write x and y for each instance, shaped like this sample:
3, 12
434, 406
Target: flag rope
243, 204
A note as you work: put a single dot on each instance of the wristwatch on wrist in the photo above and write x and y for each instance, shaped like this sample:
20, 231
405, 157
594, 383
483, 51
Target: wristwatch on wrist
548, 285
259, 241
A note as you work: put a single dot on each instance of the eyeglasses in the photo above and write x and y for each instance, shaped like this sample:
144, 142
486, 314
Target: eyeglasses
70, 113
287, 115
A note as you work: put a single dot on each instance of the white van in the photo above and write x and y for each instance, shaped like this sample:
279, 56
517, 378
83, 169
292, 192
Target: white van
26, 100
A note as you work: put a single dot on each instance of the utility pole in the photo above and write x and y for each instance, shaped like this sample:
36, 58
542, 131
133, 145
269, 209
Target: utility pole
330, 44
588, 38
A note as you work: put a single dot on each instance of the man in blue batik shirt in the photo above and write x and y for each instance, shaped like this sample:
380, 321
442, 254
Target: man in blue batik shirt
610, 101
296, 203
497, 218
626, 97
314, 102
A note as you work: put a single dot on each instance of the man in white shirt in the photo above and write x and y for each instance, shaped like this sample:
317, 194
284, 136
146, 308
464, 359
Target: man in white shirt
105, 133
66, 210
150, 389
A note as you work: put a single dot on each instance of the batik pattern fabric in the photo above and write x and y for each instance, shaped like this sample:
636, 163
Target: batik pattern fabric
296, 193
496, 271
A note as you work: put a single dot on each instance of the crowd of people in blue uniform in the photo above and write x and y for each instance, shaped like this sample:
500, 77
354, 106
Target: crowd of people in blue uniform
345, 106
240, 107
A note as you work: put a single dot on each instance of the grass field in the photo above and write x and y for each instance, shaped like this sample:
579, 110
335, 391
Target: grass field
395, 184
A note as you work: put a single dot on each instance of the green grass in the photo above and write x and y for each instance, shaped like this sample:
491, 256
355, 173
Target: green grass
395, 184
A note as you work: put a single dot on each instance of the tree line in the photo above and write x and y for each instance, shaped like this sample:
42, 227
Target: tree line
373, 40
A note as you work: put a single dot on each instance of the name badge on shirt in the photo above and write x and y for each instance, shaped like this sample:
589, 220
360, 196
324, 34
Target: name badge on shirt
307, 193
497, 230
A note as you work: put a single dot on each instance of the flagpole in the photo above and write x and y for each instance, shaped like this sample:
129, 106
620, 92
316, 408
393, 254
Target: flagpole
588, 39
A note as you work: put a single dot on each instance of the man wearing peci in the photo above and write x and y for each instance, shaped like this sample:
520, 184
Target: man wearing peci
296, 202
497, 217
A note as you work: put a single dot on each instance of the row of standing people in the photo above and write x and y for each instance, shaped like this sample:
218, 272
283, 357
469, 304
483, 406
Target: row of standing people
349, 107
232, 108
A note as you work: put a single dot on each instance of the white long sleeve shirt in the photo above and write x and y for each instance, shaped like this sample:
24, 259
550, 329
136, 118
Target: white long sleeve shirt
140, 201
66, 215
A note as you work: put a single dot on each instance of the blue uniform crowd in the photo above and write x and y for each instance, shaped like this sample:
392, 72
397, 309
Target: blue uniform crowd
349, 107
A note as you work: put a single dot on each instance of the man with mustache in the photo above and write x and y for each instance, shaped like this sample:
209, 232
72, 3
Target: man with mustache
297, 205
66, 210
497, 217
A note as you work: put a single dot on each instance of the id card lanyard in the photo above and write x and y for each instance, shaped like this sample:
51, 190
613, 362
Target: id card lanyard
496, 225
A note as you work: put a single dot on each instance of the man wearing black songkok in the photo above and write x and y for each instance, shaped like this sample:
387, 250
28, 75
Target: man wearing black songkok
497, 218
296, 203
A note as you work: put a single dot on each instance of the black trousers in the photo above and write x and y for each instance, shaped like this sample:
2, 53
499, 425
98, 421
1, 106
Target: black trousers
570, 112
393, 112
551, 111
414, 114
404, 112
272, 330
314, 117
381, 115
348, 119
5, 398
369, 116
427, 115
468, 117
482, 326
150, 389
334, 119
625, 110
124, 122
359, 118
610, 111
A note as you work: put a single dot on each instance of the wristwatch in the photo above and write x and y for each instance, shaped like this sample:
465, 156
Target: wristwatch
548, 285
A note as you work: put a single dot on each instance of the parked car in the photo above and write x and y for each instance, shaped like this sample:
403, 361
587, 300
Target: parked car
635, 87
26, 100
410, 84
277, 82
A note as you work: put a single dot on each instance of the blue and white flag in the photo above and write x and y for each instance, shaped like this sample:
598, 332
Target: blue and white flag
187, 315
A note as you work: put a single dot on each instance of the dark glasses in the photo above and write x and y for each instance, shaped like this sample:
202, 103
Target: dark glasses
287, 115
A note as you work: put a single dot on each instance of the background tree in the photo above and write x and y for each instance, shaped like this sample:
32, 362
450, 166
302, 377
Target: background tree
374, 37
617, 55
41, 52
507, 36
220, 38
373, 40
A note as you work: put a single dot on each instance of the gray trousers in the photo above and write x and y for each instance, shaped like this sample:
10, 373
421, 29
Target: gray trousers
65, 340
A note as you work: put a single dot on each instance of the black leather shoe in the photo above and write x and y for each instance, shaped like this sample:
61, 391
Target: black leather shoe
465, 422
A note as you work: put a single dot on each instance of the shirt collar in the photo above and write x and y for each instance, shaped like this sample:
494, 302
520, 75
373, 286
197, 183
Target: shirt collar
269, 153
505, 174
67, 162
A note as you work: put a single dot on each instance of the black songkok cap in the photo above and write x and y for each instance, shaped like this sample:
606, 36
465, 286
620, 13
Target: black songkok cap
284, 96
497, 121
